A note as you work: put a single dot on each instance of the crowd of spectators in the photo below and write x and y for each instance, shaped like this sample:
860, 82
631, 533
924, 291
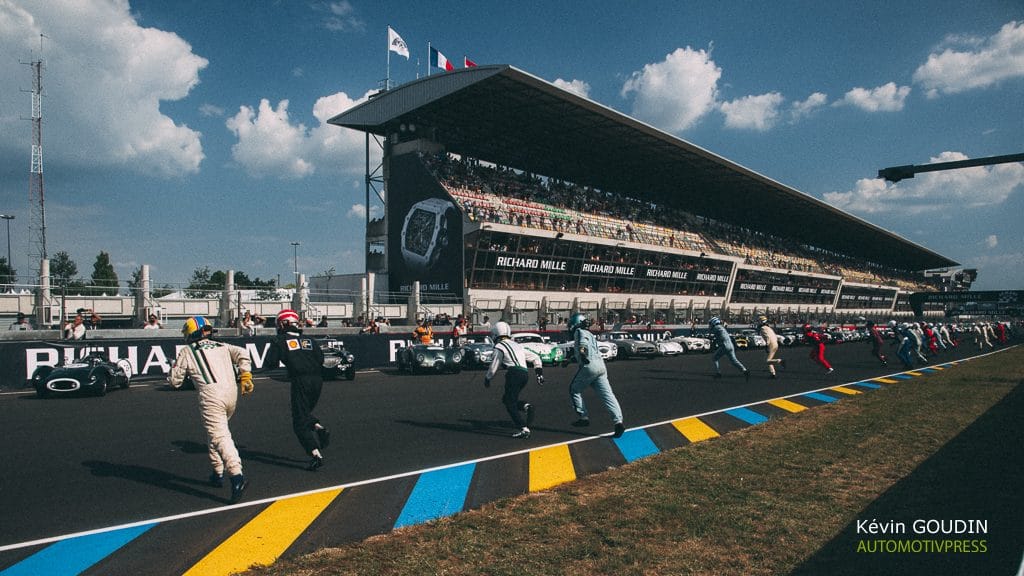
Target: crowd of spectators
490, 193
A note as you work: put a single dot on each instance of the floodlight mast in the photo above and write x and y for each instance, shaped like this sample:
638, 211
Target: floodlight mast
897, 173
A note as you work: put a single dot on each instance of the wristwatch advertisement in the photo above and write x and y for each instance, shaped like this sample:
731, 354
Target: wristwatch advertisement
425, 233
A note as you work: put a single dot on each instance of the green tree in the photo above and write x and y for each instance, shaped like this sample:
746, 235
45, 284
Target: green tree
8, 275
202, 284
64, 272
104, 279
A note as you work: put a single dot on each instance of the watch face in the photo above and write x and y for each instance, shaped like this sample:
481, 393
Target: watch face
419, 231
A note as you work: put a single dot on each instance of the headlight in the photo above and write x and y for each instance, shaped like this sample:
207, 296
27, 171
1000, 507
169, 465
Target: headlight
350, 358
420, 358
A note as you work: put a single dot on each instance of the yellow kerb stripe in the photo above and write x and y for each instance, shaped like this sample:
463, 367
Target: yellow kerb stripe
550, 467
266, 536
787, 405
886, 380
694, 429
913, 373
845, 390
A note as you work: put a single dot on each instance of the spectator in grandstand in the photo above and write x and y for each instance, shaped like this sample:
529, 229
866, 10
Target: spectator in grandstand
323, 322
304, 359
247, 325
875, 335
771, 341
725, 348
485, 326
516, 360
94, 320
817, 344
423, 333
542, 323
460, 330
153, 323
593, 373
21, 323
75, 329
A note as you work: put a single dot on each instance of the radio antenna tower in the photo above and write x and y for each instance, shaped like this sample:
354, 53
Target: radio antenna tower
36, 194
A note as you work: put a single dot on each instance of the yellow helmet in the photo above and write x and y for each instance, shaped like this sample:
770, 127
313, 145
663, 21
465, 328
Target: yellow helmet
195, 327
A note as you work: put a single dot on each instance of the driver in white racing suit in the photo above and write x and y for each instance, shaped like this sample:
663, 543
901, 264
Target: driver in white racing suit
211, 366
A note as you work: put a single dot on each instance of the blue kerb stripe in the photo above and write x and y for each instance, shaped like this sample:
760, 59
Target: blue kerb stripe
636, 444
821, 397
927, 370
867, 384
437, 494
75, 555
747, 415
901, 376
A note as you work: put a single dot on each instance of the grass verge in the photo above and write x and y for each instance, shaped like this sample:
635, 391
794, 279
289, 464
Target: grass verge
771, 499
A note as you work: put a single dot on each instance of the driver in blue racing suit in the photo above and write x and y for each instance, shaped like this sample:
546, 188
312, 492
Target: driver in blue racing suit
592, 372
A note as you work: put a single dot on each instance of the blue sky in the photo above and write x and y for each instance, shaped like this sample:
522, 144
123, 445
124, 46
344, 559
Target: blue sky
191, 133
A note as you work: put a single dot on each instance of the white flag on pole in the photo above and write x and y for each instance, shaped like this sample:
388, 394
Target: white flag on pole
396, 44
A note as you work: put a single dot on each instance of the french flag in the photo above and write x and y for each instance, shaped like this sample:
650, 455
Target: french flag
438, 60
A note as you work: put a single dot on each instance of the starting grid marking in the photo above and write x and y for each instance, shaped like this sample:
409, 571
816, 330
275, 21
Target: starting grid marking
437, 493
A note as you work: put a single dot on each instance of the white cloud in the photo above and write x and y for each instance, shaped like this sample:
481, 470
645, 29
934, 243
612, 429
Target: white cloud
674, 94
885, 98
341, 17
210, 110
270, 144
941, 191
992, 241
105, 77
814, 102
982, 62
578, 87
753, 112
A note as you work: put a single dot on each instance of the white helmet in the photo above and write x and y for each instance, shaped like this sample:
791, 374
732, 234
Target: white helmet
501, 329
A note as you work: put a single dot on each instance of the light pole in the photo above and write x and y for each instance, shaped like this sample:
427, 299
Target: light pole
8, 217
296, 245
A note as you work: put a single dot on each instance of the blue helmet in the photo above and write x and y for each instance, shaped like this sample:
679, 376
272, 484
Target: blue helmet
578, 320
195, 328
715, 321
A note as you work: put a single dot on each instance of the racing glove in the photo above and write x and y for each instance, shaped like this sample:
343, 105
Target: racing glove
246, 382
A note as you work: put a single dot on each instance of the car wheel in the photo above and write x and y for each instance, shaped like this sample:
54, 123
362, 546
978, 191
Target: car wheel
42, 392
101, 386
350, 375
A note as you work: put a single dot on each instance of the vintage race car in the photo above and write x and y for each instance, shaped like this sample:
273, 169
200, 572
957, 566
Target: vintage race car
630, 346
609, 351
693, 343
548, 351
338, 362
668, 347
92, 374
415, 357
478, 351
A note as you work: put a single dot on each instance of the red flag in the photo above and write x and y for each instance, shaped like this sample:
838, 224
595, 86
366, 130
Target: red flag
467, 63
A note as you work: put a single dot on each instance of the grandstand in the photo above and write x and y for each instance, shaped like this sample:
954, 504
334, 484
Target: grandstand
523, 200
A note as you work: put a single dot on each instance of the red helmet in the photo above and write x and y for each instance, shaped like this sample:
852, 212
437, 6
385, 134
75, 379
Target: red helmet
288, 318
807, 327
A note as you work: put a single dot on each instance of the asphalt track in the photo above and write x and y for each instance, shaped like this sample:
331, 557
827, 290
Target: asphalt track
117, 485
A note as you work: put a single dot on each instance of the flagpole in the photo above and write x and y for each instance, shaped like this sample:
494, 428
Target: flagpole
428, 57
387, 80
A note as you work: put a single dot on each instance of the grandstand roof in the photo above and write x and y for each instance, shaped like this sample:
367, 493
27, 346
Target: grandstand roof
509, 117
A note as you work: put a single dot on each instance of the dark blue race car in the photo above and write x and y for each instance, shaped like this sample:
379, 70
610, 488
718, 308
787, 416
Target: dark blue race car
91, 375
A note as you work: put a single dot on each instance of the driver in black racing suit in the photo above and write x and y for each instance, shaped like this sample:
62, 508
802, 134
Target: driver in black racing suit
304, 360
